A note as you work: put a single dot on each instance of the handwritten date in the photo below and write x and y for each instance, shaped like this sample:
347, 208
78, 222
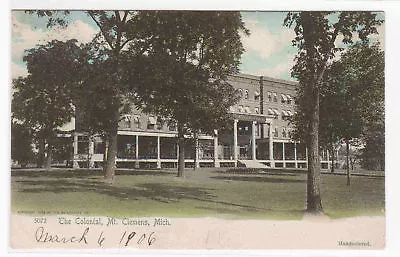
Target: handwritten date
126, 238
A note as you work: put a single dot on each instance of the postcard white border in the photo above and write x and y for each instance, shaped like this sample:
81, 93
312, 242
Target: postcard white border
392, 22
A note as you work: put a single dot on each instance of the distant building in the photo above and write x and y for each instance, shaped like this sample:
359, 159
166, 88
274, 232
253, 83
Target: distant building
260, 136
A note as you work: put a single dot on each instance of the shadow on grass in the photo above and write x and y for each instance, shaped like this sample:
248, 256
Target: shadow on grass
252, 171
276, 214
153, 191
82, 173
263, 179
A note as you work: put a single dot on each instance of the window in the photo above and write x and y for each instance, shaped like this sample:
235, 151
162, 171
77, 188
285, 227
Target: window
289, 99
152, 121
276, 113
284, 133
99, 147
275, 98
273, 112
247, 109
136, 121
246, 94
257, 110
125, 122
269, 97
160, 123
241, 108
240, 92
276, 134
256, 95
288, 114
284, 115
172, 126
83, 144
284, 98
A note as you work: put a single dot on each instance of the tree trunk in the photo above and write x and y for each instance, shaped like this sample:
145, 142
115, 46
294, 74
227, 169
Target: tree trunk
109, 169
312, 85
105, 143
333, 159
314, 204
181, 152
196, 147
48, 159
88, 156
348, 161
40, 159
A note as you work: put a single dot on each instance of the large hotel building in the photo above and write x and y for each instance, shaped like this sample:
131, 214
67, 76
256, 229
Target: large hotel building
260, 135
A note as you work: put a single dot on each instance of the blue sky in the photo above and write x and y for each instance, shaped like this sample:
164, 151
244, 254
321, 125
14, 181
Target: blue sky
268, 50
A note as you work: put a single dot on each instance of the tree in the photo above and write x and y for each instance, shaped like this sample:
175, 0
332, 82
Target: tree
209, 40
42, 100
119, 32
340, 120
21, 144
316, 33
197, 51
360, 74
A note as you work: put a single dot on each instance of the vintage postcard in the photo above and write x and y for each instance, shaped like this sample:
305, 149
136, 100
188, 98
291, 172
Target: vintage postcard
197, 130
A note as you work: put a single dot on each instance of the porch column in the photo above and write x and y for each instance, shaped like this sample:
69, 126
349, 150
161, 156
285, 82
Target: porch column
216, 162
295, 155
158, 153
196, 152
253, 140
327, 158
137, 152
271, 146
283, 154
74, 161
177, 153
235, 142
91, 152
306, 158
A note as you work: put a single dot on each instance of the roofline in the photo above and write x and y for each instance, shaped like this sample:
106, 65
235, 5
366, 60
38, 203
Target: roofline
264, 78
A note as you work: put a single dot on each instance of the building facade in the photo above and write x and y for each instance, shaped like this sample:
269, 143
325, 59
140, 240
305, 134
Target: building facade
260, 135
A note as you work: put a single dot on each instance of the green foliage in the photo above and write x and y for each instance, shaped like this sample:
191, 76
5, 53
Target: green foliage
189, 59
363, 72
160, 61
21, 144
43, 100
316, 35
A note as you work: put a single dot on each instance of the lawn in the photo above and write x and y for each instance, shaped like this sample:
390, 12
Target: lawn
277, 194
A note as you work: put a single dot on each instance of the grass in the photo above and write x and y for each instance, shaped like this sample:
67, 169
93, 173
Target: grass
207, 192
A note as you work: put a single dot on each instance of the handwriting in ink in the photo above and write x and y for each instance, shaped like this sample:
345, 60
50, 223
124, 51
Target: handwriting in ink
134, 237
42, 236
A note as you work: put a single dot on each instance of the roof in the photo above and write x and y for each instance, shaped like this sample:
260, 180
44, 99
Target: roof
264, 78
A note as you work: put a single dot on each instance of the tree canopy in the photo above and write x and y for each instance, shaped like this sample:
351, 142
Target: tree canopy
43, 100
196, 50
162, 61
